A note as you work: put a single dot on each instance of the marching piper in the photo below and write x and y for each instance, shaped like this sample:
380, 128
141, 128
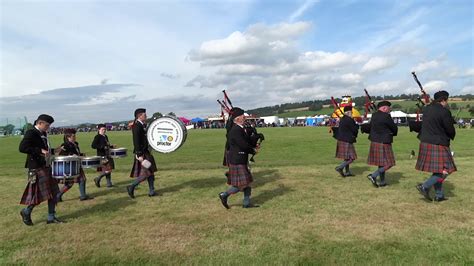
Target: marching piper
434, 155
102, 145
144, 166
239, 177
346, 137
382, 131
41, 186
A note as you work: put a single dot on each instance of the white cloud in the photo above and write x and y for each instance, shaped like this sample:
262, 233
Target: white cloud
300, 11
423, 66
435, 85
376, 64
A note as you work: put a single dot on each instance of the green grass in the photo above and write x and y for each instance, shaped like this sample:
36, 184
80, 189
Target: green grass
308, 214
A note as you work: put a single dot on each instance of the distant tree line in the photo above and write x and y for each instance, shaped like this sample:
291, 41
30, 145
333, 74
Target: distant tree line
317, 105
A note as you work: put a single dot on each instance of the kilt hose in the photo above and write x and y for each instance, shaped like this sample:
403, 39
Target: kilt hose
435, 159
139, 171
44, 188
381, 154
107, 167
239, 175
345, 150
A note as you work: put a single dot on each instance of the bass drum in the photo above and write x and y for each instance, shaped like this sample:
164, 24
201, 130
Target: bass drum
166, 134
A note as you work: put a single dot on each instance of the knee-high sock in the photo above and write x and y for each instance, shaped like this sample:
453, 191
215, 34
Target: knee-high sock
51, 209
82, 188
138, 180
101, 175
231, 190
247, 193
382, 178
378, 171
433, 179
29, 209
108, 177
151, 184
345, 164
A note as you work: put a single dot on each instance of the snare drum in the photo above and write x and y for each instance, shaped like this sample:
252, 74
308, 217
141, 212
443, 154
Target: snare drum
91, 162
118, 152
66, 167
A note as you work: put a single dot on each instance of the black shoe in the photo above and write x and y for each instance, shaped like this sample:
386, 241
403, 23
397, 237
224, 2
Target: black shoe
383, 185
339, 171
153, 194
130, 192
250, 206
223, 198
424, 191
26, 218
372, 180
349, 174
97, 182
440, 199
60, 198
87, 197
54, 221
109, 186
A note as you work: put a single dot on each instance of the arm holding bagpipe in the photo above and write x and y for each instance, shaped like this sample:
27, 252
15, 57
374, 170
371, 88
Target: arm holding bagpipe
333, 129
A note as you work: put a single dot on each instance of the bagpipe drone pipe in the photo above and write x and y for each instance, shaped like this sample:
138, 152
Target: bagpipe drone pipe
422, 100
255, 138
369, 107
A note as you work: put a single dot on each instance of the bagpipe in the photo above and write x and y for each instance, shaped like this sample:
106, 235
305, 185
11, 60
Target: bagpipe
255, 138
422, 100
334, 127
369, 107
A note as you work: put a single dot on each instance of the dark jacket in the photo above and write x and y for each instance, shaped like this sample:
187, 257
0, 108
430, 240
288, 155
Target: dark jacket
382, 128
437, 126
348, 130
70, 148
239, 145
32, 144
140, 141
101, 144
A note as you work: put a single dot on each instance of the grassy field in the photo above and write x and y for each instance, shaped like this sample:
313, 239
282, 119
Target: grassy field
308, 214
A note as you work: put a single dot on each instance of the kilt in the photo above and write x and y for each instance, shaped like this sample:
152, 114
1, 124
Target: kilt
345, 150
139, 171
434, 159
43, 189
381, 154
107, 167
239, 175
81, 177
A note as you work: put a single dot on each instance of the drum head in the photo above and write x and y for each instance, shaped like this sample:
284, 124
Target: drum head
166, 134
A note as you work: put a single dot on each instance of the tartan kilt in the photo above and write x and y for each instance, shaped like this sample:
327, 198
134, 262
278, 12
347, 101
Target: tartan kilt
43, 189
81, 177
139, 171
107, 167
381, 154
239, 175
345, 150
434, 159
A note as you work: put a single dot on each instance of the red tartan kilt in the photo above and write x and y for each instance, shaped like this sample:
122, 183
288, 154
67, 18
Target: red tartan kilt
381, 154
43, 189
139, 171
434, 159
239, 175
108, 167
345, 150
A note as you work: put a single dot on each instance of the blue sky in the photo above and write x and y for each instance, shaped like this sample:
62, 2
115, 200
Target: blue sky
95, 61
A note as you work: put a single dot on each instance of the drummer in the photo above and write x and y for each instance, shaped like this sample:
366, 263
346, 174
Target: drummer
144, 166
71, 147
102, 145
